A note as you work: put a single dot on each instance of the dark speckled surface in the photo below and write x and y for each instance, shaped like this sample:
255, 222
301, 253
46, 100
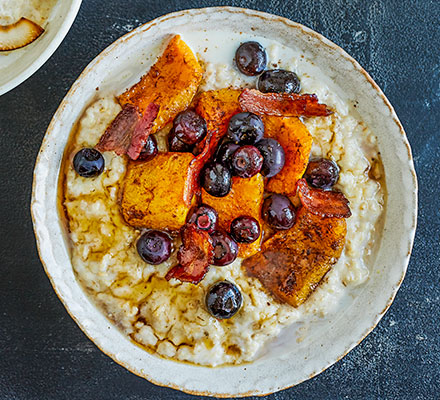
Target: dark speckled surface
44, 355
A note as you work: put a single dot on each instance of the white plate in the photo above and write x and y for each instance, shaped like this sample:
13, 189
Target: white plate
18, 65
121, 63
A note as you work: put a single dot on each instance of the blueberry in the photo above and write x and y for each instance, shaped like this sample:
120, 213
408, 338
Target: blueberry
247, 161
322, 173
154, 247
273, 155
224, 154
278, 81
216, 179
251, 58
245, 128
176, 145
223, 300
189, 127
150, 149
245, 229
204, 217
88, 163
225, 248
278, 211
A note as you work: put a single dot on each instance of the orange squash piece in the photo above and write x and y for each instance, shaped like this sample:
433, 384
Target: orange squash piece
153, 192
171, 83
217, 107
296, 140
292, 263
245, 198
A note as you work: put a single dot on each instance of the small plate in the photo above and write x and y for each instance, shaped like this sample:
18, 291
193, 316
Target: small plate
120, 65
18, 65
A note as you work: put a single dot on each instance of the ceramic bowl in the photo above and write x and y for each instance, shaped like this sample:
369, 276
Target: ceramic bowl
18, 65
328, 341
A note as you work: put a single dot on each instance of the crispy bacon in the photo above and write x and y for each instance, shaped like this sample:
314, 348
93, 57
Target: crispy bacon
194, 255
117, 136
129, 131
324, 203
193, 185
142, 130
211, 140
282, 104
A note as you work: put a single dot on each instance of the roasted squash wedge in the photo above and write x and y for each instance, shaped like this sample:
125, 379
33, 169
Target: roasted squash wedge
153, 192
217, 107
171, 83
292, 263
244, 199
296, 140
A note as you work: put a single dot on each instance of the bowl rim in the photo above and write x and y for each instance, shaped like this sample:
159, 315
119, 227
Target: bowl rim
48, 51
291, 24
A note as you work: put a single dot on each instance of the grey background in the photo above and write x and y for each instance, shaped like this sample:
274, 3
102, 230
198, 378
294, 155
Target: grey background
44, 355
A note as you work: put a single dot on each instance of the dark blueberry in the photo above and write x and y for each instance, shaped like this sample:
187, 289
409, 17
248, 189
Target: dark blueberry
204, 217
216, 179
189, 127
274, 157
223, 300
154, 247
150, 149
322, 173
225, 248
251, 58
247, 161
278, 211
224, 154
245, 128
245, 229
175, 144
88, 163
278, 81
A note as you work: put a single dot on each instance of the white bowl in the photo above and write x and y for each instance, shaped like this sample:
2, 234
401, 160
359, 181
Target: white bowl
18, 65
331, 340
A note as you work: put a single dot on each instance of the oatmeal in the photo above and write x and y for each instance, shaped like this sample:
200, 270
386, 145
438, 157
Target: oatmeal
170, 317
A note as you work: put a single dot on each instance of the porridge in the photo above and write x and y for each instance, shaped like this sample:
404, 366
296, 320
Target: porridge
169, 316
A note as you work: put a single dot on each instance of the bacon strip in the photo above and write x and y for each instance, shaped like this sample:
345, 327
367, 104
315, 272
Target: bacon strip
324, 203
282, 104
212, 140
129, 131
194, 255
142, 130
118, 134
